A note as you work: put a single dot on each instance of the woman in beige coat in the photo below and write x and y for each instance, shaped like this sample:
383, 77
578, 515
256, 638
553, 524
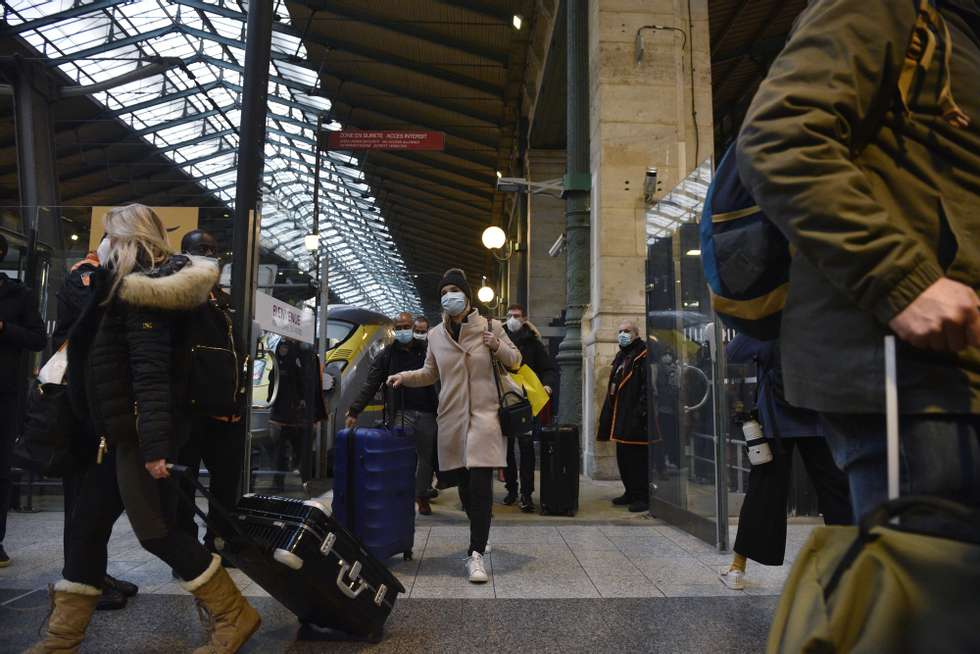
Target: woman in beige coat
460, 356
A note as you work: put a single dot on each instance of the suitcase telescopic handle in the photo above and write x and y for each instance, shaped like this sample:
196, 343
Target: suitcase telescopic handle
213, 504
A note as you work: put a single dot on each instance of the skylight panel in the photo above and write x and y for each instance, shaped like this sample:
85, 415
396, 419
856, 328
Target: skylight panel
212, 46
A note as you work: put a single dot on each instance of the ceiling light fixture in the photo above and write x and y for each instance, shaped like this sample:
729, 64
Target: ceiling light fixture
517, 21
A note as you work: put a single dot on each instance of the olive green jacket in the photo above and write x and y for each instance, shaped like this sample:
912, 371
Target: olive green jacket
877, 204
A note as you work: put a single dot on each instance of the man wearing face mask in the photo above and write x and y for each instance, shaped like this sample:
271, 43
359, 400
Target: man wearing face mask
416, 407
215, 438
624, 418
527, 338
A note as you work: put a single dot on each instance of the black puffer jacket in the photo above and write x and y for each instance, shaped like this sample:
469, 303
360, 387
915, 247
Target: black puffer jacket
127, 361
624, 414
22, 330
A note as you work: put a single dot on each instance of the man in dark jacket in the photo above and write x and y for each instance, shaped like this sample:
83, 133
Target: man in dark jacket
624, 418
527, 338
865, 151
21, 331
417, 407
215, 439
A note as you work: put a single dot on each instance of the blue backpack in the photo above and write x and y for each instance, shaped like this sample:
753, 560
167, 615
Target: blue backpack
746, 258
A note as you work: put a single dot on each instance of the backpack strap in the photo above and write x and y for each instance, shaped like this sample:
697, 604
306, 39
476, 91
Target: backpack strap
929, 24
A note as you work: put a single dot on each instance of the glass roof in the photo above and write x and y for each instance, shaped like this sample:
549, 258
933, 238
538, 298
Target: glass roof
190, 112
684, 203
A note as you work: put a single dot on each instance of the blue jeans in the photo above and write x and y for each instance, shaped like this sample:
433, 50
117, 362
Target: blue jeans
940, 455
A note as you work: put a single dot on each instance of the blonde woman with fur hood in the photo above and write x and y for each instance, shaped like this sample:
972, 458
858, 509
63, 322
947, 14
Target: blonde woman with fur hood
126, 372
461, 356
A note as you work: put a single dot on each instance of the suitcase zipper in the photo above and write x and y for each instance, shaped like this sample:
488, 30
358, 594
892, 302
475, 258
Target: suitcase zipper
103, 448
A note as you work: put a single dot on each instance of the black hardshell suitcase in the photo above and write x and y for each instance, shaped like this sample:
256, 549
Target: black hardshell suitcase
560, 465
310, 563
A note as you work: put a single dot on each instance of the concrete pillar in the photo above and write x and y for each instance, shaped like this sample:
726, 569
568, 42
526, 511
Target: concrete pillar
641, 117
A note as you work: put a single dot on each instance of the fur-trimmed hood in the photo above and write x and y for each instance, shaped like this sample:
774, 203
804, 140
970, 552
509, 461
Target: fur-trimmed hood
181, 283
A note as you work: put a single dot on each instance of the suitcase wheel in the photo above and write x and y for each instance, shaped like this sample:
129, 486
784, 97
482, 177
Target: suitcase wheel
407, 556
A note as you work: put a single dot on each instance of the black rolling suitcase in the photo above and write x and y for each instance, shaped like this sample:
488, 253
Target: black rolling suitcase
307, 561
560, 456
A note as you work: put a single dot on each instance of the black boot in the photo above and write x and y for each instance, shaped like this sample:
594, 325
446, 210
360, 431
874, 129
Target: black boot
639, 506
111, 600
622, 500
527, 504
511, 498
127, 588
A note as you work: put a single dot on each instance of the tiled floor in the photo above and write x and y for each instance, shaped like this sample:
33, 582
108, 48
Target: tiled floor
532, 560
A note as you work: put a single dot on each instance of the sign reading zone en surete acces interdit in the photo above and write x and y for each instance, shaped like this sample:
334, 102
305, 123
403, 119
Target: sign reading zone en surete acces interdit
385, 140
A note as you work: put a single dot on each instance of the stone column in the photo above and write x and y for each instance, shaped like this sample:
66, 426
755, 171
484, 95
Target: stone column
641, 117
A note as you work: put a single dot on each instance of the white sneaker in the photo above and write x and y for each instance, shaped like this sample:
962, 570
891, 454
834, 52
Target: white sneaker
475, 569
732, 578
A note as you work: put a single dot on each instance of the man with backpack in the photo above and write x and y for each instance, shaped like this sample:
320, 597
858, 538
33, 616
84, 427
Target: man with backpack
862, 145
416, 407
527, 338
214, 391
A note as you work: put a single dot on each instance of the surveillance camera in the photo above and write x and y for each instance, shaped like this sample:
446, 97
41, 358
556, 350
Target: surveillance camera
650, 186
558, 247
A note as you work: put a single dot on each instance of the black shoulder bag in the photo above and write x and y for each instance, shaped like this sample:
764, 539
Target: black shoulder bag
515, 411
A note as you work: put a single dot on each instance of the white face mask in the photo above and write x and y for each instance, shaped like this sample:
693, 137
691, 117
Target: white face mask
514, 324
103, 251
454, 302
420, 336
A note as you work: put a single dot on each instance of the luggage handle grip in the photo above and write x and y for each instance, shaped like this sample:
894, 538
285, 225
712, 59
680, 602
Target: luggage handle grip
214, 504
353, 573
886, 511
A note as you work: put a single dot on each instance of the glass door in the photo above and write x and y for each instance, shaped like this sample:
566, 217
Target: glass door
688, 477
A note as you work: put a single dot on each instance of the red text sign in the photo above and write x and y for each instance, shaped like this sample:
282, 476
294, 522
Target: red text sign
385, 140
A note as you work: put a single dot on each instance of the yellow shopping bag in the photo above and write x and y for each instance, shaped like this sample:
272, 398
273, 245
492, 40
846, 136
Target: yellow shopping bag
536, 395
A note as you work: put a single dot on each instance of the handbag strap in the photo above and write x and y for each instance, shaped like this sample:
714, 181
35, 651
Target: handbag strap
493, 367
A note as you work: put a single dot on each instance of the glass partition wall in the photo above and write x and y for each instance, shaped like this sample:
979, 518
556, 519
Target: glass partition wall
690, 420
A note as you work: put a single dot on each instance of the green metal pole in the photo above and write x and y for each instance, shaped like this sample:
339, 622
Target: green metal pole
577, 186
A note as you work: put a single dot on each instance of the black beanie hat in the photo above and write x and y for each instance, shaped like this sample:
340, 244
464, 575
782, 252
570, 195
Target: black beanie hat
456, 277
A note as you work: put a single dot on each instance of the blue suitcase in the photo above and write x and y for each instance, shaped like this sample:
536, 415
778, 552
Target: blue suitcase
374, 488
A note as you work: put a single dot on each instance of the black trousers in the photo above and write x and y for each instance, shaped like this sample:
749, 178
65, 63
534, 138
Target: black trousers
9, 426
151, 505
634, 470
762, 520
92, 506
221, 446
476, 493
525, 470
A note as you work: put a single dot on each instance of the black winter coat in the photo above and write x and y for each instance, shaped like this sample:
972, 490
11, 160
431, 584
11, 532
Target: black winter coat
624, 413
533, 353
398, 358
128, 360
23, 330
73, 297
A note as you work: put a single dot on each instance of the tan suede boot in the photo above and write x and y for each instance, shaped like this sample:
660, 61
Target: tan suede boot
72, 605
230, 619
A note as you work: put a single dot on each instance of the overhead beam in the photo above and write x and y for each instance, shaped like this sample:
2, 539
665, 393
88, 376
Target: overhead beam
486, 9
450, 218
397, 61
372, 168
160, 65
484, 182
723, 32
427, 194
8, 30
339, 84
406, 28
